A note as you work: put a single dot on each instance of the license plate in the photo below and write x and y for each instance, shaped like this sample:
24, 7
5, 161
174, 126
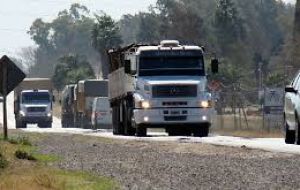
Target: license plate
175, 112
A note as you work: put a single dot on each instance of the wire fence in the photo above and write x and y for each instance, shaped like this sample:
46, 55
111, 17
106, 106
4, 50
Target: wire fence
239, 109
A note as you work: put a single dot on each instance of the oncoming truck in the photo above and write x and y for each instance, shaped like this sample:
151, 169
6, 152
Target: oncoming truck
33, 103
85, 92
161, 86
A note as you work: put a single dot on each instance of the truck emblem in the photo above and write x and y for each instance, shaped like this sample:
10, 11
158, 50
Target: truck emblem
173, 91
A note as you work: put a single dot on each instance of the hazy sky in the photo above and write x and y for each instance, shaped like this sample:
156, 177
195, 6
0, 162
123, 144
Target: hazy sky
16, 16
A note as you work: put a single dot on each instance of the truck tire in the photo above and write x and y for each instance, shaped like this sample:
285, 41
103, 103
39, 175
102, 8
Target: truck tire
67, 121
201, 131
20, 125
45, 125
64, 123
290, 136
179, 131
118, 129
85, 123
141, 131
174, 131
76, 121
127, 115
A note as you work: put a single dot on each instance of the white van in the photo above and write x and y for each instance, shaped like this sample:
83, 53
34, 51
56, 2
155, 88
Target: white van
101, 113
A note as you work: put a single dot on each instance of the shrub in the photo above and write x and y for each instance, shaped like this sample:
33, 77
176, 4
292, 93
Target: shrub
24, 155
22, 140
3, 162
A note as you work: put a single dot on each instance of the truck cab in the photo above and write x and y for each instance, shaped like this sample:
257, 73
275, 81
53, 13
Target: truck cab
33, 102
162, 86
35, 107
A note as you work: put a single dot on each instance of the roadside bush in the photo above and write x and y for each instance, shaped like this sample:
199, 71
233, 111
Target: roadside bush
21, 140
3, 162
22, 155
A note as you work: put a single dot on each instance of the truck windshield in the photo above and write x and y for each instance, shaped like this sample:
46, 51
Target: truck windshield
35, 97
170, 66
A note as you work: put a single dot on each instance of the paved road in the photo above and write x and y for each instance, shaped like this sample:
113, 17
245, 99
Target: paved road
267, 144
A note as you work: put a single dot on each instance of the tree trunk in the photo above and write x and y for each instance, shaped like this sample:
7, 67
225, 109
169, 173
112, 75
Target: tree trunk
104, 64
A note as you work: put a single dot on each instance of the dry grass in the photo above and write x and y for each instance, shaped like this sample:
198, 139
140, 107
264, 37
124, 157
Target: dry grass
38, 175
249, 133
226, 126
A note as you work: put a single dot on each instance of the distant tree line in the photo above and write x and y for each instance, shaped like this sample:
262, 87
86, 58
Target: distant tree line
251, 38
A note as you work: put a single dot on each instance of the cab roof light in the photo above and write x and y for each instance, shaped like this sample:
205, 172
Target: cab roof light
170, 43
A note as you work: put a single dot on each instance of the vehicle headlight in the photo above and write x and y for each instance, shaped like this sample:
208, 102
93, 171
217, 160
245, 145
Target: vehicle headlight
206, 104
22, 113
145, 104
49, 114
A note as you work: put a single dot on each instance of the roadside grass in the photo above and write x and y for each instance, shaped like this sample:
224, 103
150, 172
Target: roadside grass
23, 168
249, 133
225, 126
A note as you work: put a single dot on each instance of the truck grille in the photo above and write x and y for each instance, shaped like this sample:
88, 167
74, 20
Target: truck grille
36, 109
174, 91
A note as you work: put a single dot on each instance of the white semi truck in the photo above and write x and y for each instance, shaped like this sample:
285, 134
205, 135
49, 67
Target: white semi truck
33, 103
163, 86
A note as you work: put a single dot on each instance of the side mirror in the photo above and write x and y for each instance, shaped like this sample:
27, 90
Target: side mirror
214, 66
291, 89
127, 67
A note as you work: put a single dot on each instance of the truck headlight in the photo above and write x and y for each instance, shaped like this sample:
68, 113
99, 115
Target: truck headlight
22, 113
206, 104
145, 104
49, 114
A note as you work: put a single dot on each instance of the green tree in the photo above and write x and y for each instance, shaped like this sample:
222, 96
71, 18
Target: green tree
105, 35
68, 33
228, 24
70, 70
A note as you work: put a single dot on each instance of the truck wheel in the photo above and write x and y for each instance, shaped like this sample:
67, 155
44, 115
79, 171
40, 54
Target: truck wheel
20, 125
45, 125
85, 123
174, 131
49, 125
290, 135
179, 131
141, 131
128, 128
76, 121
64, 123
201, 130
118, 129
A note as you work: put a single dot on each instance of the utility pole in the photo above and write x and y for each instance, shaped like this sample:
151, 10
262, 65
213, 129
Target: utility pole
4, 86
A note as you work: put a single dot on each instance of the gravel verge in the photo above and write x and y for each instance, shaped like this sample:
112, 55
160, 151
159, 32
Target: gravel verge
153, 165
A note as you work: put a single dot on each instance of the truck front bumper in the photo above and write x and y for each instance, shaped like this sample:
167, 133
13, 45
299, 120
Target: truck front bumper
35, 119
171, 116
